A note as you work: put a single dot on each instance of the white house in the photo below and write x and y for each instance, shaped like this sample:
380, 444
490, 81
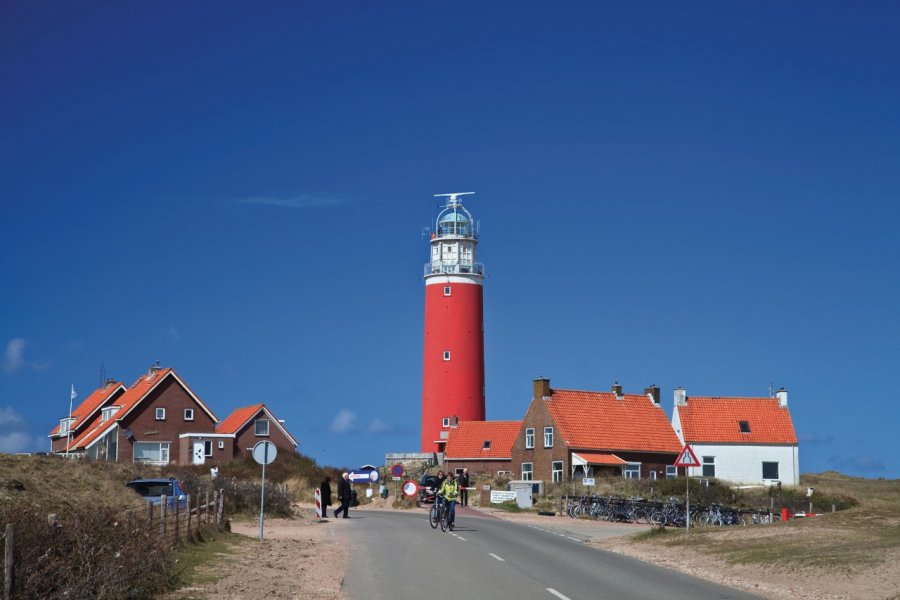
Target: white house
742, 440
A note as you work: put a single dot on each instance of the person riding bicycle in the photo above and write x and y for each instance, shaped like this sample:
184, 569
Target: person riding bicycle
450, 492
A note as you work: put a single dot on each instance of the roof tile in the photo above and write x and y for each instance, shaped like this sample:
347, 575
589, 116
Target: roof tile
467, 439
717, 419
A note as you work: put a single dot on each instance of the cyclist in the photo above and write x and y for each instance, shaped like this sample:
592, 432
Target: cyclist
449, 492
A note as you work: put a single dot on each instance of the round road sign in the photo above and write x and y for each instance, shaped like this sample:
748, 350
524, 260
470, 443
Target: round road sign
410, 488
264, 452
397, 470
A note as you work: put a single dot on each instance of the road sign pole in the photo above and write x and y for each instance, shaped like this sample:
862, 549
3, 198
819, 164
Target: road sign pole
262, 492
687, 499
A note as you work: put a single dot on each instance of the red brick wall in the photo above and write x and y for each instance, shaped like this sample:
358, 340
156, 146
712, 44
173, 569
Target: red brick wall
143, 424
247, 438
478, 467
539, 417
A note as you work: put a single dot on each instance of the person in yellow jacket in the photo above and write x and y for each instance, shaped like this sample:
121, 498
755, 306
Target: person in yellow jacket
450, 492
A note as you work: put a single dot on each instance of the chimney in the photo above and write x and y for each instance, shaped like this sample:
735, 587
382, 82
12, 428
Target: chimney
618, 390
653, 393
680, 397
781, 394
154, 368
542, 388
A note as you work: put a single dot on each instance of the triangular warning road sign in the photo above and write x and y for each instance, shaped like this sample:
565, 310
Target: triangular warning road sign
687, 458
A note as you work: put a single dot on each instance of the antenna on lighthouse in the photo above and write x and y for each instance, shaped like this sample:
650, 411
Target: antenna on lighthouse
453, 201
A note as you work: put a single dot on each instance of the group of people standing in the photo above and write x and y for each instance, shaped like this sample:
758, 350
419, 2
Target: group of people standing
344, 496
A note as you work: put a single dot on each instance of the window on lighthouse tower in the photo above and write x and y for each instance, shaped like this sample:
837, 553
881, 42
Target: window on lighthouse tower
446, 355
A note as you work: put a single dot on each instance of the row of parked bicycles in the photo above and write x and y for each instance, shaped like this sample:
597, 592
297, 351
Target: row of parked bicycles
661, 513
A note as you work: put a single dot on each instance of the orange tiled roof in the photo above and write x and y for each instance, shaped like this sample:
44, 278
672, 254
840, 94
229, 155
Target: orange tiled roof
593, 458
131, 398
236, 420
95, 400
466, 441
599, 420
717, 419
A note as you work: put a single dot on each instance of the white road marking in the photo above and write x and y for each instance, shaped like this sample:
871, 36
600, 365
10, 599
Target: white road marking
576, 539
459, 537
558, 595
497, 557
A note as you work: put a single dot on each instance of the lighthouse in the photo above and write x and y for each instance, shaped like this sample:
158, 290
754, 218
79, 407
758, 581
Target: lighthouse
453, 365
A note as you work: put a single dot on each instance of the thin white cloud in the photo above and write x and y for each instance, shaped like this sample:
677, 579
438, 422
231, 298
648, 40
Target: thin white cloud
344, 422
14, 441
9, 417
14, 356
173, 333
379, 426
299, 201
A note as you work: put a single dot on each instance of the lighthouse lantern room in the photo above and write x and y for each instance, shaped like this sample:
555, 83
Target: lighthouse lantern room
453, 372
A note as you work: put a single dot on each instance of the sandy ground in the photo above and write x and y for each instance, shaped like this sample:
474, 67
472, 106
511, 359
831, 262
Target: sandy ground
305, 558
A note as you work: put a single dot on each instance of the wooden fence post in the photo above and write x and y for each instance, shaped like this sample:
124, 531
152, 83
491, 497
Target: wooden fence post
188, 496
177, 514
163, 513
206, 506
9, 562
149, 514
220, 517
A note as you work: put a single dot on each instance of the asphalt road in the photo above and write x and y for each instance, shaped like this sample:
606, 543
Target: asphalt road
397, 555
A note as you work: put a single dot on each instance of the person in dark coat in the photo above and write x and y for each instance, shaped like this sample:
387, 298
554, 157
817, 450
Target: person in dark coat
343, 492
463, 480
325, 489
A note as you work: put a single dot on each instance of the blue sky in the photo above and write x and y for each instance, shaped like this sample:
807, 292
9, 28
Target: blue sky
691, 194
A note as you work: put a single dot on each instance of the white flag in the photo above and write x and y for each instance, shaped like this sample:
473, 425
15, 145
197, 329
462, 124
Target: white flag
74, 395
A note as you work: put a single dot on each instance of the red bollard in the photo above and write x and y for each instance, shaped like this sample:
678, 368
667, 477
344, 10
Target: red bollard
785, 514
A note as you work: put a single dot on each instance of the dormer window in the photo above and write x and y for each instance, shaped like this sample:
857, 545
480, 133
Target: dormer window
745, 426
108, 412
487, 445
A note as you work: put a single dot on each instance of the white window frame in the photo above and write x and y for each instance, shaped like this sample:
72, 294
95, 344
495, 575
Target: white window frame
445, 422
107, 413
529, 437
189, 414
160, 413
502, 473
162, 452
631, 470
671, 472
529, 474
708, 461
548, 437
556, 473
652, 475
221, 444
446, 355
207, 448
256, 424
448, 290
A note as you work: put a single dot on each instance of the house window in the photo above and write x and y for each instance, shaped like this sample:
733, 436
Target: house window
446, 355
770, 470
709, 466
189, 414
556, 471
671, 471
652, 475
631, 471
745, 426
487, 445
152, 452
527, 471
221, 444
502, 473
207, 448
108, 412
548, 437
160, 414
261, 427
529, 437
445, 422
447, 290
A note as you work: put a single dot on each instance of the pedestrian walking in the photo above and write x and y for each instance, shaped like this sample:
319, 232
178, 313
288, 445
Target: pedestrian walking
344, 495
463, 480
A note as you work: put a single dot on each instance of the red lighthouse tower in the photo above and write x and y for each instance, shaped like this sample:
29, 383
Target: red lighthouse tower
453, 373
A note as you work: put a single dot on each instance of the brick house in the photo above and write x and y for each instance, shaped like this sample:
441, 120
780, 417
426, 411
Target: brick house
251, 424
742, 440
84, 416
145, 423
483, 447
570, 434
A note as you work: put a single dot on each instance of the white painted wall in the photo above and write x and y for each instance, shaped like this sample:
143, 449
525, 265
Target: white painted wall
743, 464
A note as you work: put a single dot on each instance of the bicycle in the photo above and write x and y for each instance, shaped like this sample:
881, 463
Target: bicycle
439, 514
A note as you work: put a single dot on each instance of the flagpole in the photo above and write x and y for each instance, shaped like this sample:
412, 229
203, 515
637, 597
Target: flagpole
69, 421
